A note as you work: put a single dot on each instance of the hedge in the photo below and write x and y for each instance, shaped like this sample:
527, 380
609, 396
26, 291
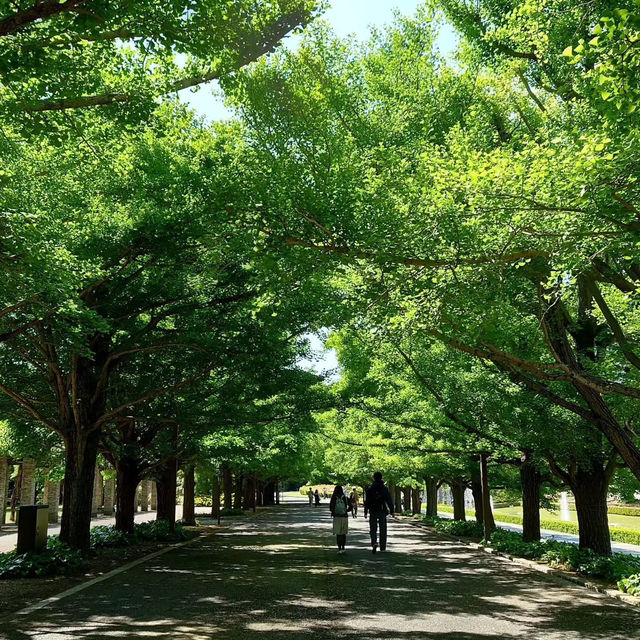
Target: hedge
628, 536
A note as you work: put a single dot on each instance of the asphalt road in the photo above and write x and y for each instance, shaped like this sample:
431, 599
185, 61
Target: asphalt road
278, 576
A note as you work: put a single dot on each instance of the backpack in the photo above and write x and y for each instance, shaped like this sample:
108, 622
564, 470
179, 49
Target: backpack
340, 508
376, 502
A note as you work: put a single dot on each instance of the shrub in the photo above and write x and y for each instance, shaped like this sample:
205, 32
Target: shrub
231, 512
203, 501
465, 529
103, 536
630, 585
511, 542
58, 559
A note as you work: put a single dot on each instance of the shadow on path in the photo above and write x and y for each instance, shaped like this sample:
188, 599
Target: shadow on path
277, 576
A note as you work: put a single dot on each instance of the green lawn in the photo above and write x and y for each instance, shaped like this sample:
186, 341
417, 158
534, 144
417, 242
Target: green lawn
623, 522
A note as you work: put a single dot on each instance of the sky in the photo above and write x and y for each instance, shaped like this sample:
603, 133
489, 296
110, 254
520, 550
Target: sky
347, 18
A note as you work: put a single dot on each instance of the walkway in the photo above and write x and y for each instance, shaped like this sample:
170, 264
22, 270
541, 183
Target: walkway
277, 577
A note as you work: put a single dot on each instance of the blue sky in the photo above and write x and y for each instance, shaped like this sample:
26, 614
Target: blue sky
346, 17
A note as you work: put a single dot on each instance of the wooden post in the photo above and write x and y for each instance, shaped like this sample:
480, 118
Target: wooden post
486, 499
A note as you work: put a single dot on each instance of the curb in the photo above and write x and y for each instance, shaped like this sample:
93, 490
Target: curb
555, 574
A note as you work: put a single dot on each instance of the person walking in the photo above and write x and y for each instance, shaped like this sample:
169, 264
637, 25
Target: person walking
354, 502
316, 496
310, 494
377, 500
340, 513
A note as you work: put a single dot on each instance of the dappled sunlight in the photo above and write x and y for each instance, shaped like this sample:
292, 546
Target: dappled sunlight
266, 580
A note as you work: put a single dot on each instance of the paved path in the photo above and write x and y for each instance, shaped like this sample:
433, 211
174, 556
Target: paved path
278, 577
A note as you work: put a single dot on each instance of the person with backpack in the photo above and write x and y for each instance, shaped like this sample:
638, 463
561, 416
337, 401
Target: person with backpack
340, 514
376, 501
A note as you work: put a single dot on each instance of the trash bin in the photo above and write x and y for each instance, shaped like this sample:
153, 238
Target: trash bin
33, 521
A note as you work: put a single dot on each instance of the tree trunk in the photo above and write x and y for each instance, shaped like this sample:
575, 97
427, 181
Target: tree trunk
397, 499
457, 491
237, 491
226, 486
406, 498
530, 481
476, 489
246, 493
260, 494
189, 499
215, 496
81, 452
166, 484
488, 523
431, 485
17, 485
416, 503
126, 486
269, 494
590, 492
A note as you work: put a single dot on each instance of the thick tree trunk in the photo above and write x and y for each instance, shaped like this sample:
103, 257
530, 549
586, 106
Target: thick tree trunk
590, 492
457, 491
81, 452
476, 490
126, 485
406, 498
189, 500
431, 485
530, 481
269, 494
166, 483
226, 486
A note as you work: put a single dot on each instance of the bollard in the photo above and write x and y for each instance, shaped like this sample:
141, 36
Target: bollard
33, 521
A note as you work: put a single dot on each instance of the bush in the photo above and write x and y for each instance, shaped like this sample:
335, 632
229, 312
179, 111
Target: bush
630, 585
103, 536
151, 531
231, 512
203, 501
58, 559
465, 529
511, 542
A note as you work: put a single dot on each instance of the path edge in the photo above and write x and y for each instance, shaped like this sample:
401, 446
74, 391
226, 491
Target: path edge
110, 574
555, 574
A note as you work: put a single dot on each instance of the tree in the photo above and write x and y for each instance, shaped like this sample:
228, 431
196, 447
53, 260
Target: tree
452, 228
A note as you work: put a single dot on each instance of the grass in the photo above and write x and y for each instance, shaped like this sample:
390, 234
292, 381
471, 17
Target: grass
615, 520
618, 534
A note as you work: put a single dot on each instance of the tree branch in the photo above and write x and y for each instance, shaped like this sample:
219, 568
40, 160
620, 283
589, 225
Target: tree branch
39, 11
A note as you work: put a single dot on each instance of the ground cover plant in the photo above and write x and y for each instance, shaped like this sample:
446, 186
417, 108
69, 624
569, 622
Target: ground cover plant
619, 568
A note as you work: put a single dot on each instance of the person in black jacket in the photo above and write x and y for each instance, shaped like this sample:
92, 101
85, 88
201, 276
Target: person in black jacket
376, 502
